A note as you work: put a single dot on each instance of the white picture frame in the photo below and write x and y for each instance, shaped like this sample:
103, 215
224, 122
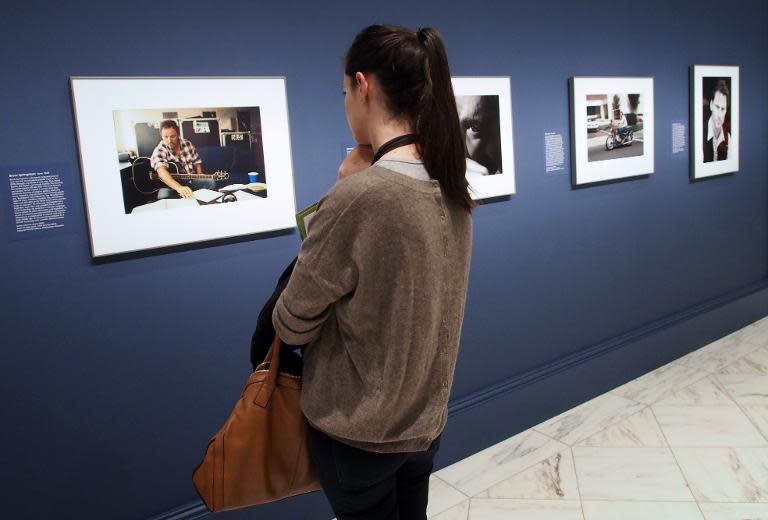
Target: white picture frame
114, 227
604, 149
705, 162
493, 174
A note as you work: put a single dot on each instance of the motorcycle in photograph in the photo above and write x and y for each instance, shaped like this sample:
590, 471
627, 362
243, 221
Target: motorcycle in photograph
622, 137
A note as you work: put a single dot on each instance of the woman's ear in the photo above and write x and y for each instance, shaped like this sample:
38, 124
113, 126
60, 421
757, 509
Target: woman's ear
362, 84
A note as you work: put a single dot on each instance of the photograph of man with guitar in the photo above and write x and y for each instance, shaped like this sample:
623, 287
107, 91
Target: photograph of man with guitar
181, 152
176, 157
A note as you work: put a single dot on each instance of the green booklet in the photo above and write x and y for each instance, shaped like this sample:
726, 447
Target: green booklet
304, 217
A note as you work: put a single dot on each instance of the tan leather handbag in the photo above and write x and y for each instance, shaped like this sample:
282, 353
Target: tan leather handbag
261, 453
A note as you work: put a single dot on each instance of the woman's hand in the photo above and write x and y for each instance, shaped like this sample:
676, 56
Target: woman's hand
358, 160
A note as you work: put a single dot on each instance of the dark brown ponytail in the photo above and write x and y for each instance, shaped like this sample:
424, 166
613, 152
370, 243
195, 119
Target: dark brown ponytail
412, 69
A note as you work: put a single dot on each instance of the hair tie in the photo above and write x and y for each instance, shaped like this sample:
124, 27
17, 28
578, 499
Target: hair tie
421, 34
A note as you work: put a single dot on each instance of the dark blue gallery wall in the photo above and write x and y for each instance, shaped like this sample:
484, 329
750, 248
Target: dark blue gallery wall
116, 373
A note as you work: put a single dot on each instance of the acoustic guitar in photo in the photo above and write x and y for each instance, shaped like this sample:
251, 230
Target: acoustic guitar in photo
147, 180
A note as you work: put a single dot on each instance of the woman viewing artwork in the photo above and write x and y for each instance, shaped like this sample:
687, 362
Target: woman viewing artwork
379, 288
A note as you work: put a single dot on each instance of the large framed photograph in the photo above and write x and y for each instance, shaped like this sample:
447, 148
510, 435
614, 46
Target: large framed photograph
170, 161
485, 111
714, 120
611, 128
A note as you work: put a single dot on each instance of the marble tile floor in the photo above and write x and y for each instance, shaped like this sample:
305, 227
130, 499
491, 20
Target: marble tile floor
688, 441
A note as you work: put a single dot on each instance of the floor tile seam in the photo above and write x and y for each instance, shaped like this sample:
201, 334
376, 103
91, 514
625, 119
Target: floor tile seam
764, 435
630, 500
440, 512
726, 406
628, 417
756, 374
663, 369
469, 509
705, 375
522, 433
677, 462
619, 395
568, 448
528, 499
451, 485
754, 351
578, 484
759, 345
532, 429
746, 374
466, 497
581, 405
719, 405
504, 479
739, 448
497, 482
707, 447
672, 390
740, 356
640, 501
602, 429
690, 362
741, 502
550, 437
517, 472
436, 513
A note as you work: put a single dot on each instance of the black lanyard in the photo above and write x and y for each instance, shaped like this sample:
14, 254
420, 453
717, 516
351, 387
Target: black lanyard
390, 145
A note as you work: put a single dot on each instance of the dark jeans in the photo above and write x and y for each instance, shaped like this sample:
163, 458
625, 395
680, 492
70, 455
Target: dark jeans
363, 485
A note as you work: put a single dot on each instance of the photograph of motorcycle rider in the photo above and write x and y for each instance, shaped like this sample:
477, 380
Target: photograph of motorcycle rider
620, 127
717, 124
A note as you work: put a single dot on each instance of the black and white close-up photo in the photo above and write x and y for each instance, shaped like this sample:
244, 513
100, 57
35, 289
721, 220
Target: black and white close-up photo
484, 106
479, 116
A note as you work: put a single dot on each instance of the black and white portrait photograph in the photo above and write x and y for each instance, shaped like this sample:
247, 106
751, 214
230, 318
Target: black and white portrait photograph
170, 161
716, 134
715, 116
485, 112
611, 128
479, 117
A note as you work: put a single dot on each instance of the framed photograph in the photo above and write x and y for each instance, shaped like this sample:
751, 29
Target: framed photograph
169, 161
485, 111
714, 120
611, 128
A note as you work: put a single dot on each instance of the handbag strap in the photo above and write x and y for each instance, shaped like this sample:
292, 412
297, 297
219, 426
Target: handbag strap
265, 392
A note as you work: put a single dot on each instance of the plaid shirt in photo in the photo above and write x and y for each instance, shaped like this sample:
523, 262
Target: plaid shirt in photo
187, 158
